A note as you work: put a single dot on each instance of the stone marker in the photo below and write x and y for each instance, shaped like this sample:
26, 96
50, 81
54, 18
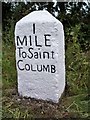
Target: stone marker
40, 59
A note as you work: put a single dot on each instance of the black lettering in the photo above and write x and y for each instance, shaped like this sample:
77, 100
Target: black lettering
53, 70
30, 41
18, 64
39, 53
47, 40
44, 56
46, 68
20, 54
36, 55
30, 53
19, 41
24, 54
52, 54
32, 68
34, 28
27, 67
36, 42
39, 68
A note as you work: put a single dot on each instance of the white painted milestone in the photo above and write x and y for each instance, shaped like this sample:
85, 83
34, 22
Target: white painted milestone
40, 56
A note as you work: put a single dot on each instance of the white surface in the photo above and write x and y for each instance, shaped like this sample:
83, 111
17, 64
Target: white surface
34, 84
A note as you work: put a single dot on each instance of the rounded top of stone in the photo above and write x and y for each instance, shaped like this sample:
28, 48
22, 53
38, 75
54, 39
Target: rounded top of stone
41, 16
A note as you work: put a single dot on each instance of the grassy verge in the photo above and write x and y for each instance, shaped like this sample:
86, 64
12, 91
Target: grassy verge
0, 72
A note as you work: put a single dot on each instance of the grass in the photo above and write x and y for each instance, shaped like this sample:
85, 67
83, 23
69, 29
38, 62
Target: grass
75, 102
16, 107
0, 73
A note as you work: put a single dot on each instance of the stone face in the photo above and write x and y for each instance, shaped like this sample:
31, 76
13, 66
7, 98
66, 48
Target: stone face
40, 56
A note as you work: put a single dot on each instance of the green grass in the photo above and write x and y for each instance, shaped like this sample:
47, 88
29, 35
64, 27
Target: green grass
75, 102
16, 107
9, 71
0, 74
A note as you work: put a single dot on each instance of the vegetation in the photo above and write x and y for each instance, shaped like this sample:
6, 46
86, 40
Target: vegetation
75, 102
0, 74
